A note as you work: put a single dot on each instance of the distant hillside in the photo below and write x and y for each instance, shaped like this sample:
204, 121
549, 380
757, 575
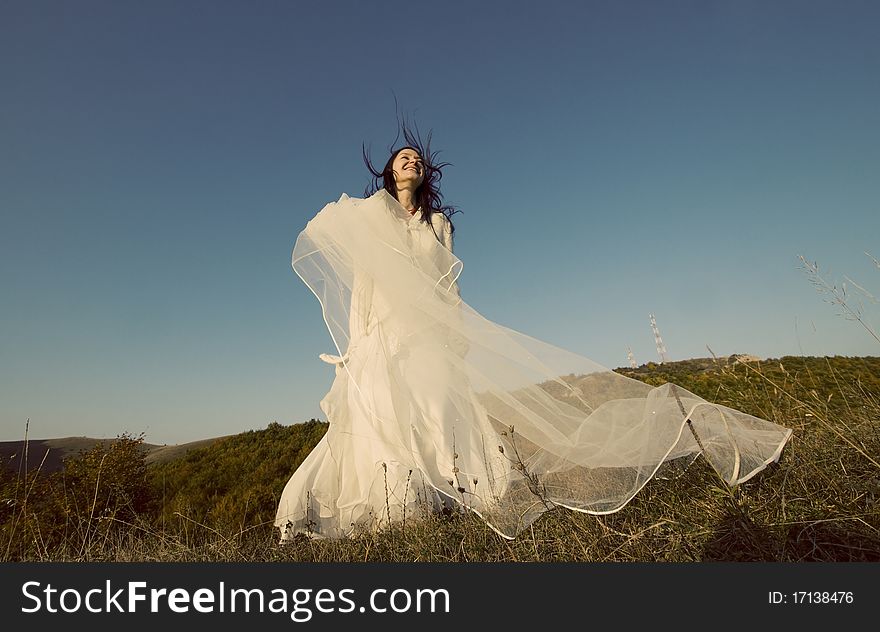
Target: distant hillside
165, 453
54, 451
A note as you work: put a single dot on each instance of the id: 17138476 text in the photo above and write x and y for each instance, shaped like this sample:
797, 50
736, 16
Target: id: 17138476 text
810, 597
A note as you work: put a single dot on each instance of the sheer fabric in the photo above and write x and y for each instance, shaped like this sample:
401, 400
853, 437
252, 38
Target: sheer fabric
434, 405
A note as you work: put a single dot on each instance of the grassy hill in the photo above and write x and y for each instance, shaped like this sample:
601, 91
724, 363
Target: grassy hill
48, 455
215, 499
237, 480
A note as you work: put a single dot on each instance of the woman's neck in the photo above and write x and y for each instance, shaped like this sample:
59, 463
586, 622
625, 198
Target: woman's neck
407, 200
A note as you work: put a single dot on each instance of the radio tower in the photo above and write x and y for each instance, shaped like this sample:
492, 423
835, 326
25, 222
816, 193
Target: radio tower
632, 360
661, 349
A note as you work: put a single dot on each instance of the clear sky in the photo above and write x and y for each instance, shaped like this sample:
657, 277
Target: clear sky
611, 159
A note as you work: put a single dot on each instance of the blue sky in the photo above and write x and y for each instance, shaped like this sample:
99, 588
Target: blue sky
611, 159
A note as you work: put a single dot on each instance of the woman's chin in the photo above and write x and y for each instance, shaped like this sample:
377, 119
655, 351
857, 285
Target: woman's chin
408, 183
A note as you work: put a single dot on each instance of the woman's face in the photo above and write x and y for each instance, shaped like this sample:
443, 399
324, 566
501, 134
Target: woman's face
408, 168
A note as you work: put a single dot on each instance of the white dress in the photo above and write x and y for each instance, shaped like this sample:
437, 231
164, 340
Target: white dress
434, 405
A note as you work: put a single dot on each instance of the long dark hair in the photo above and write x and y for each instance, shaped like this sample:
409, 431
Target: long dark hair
427, 196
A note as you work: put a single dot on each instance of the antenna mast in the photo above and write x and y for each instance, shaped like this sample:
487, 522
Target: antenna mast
631, 358
661, 349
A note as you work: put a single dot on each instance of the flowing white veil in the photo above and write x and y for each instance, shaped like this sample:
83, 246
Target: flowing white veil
505, 424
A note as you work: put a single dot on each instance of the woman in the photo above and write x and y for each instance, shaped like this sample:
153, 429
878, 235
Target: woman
434, 406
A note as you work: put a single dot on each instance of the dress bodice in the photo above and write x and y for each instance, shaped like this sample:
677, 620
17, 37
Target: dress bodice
367, 305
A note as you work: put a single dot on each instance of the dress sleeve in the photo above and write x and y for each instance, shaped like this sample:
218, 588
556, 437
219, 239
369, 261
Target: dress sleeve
457, 341
446, 234
443, 230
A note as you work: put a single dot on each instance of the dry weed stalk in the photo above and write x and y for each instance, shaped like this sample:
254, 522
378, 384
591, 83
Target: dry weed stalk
838, 294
